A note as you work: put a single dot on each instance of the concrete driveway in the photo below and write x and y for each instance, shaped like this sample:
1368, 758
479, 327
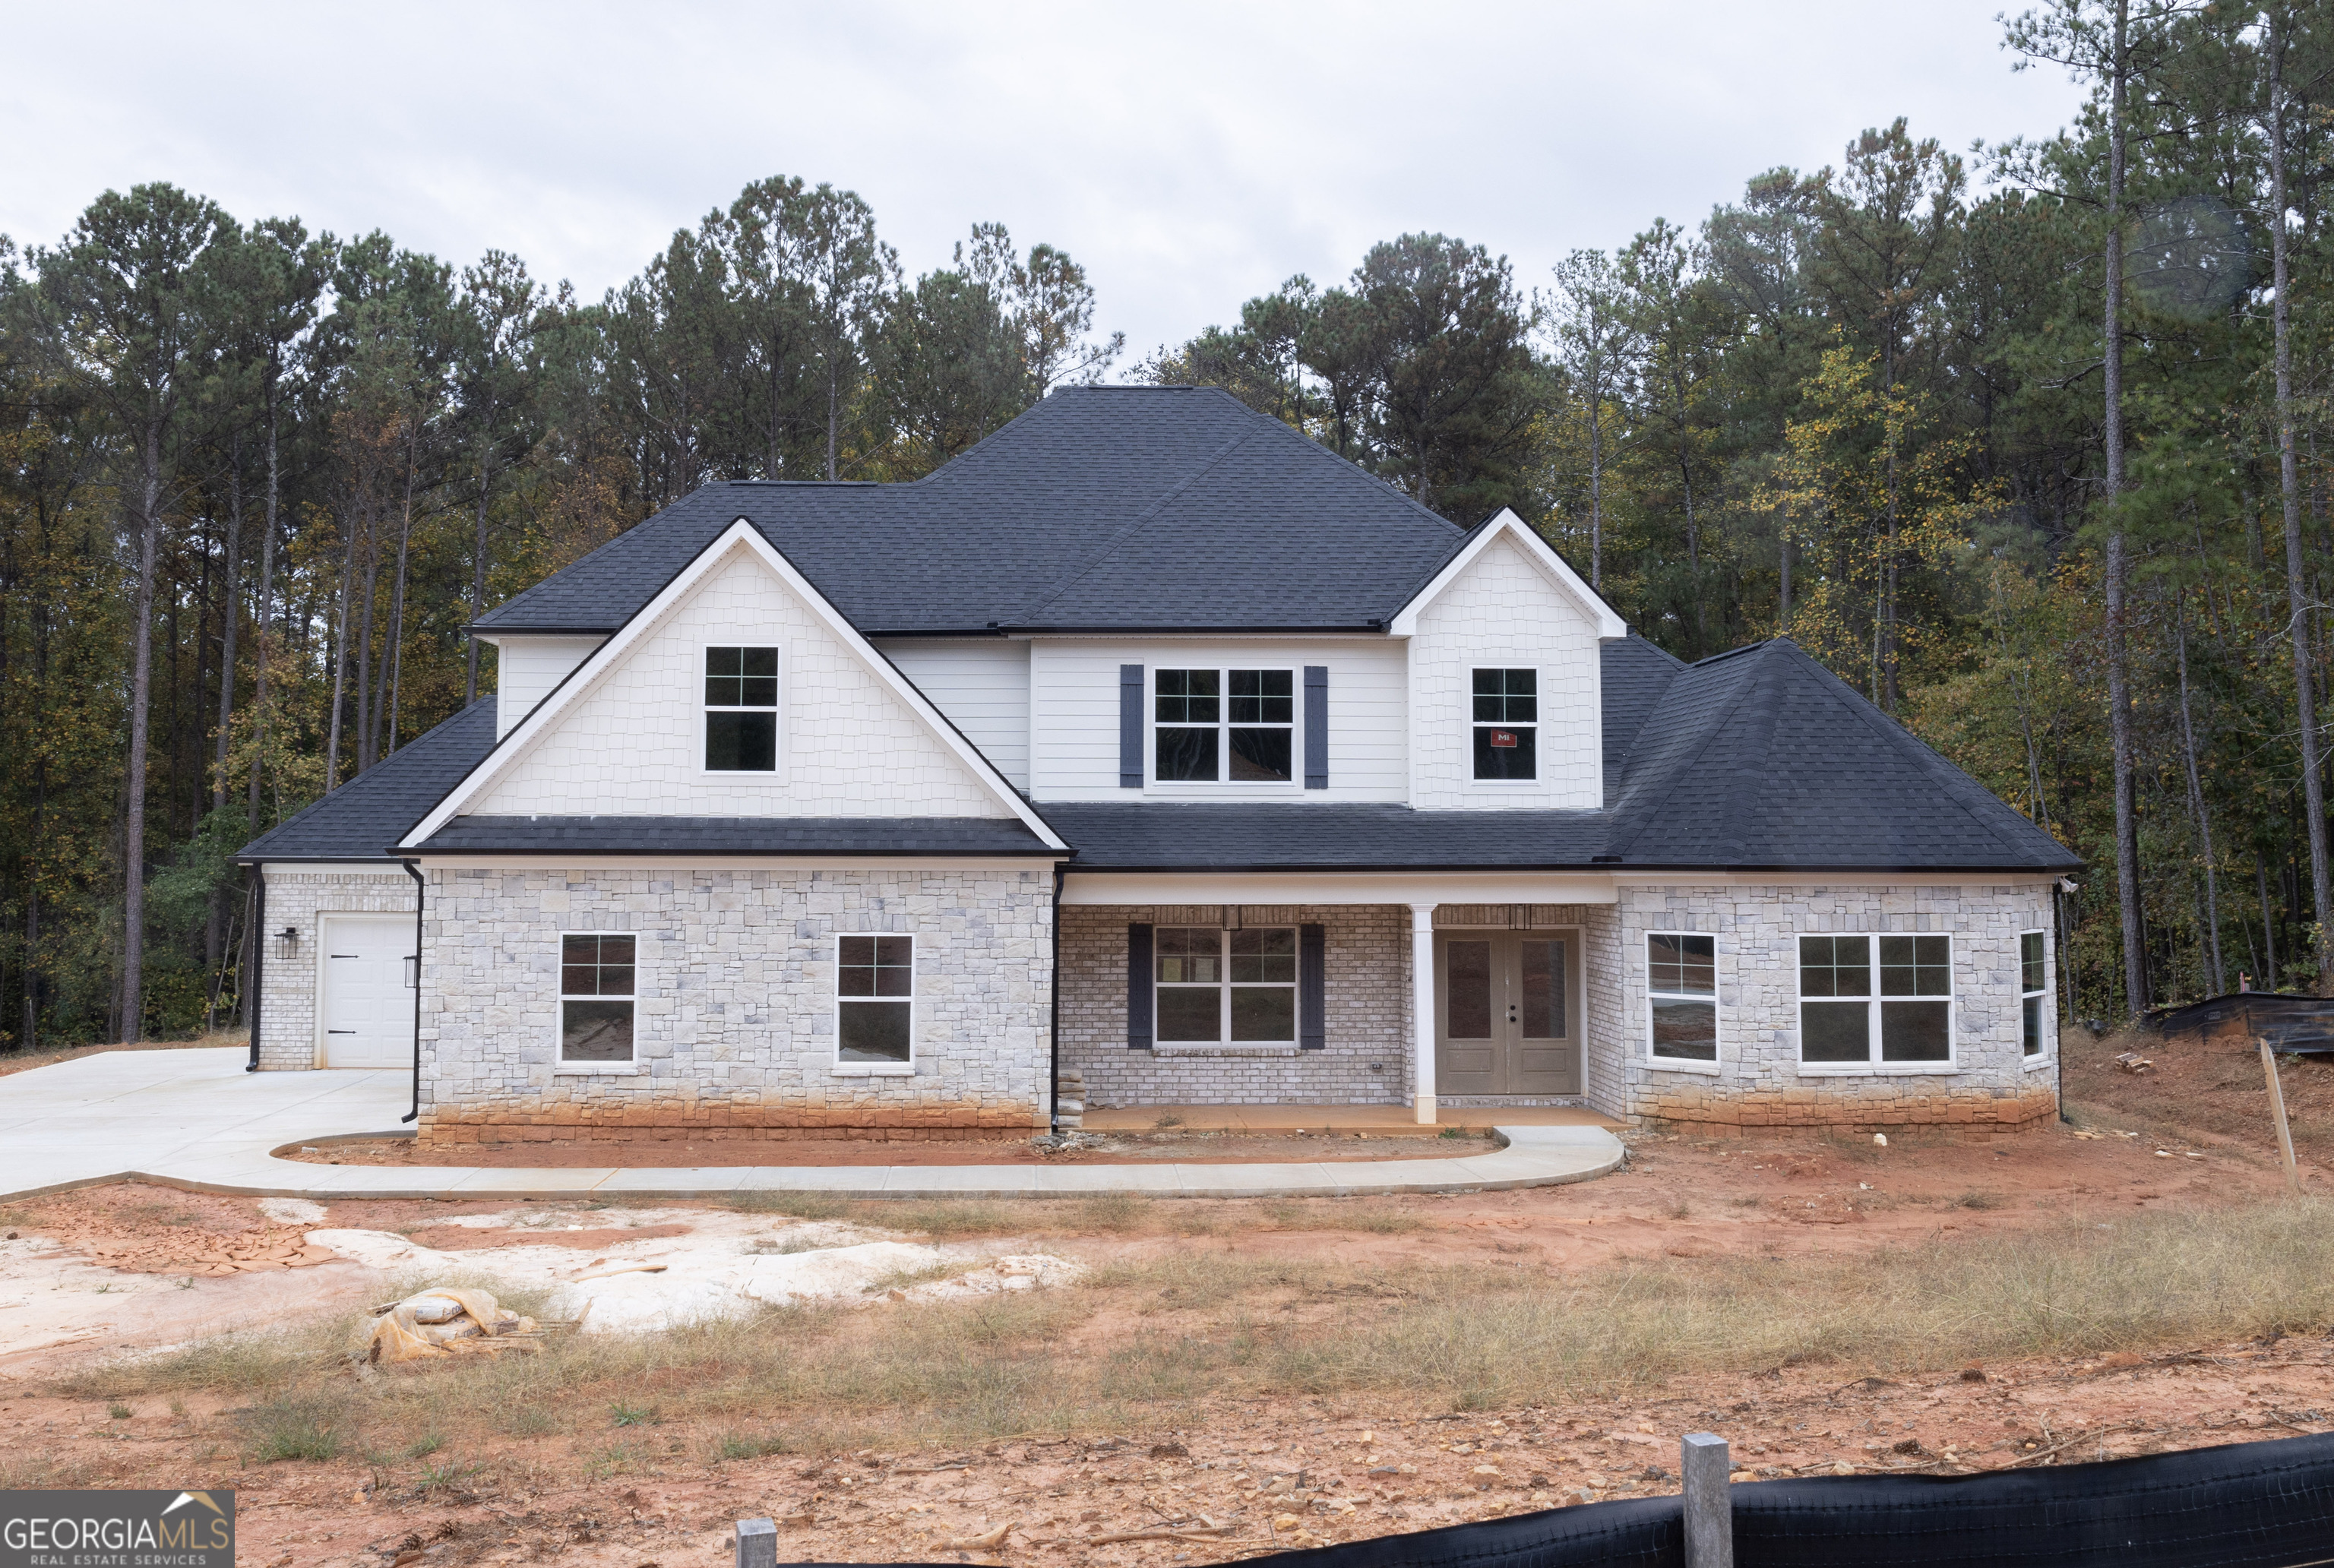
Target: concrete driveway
195, 1119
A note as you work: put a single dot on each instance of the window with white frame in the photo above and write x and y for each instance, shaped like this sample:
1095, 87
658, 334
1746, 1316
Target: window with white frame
1507, 725
741, 710
874, 1000
1681, 991
2033, 991
596, 997
1223, 726
1214, 987
1875, 998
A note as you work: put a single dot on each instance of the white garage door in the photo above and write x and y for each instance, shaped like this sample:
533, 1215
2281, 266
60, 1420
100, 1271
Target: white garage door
368, 1010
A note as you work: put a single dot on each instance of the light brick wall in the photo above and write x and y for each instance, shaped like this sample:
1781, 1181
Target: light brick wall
847, 746
1503, 612
736, 1018
290, 989
1760, 1082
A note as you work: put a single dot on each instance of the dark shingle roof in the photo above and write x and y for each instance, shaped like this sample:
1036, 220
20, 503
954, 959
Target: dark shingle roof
1635, 674
737, 836
1762, 757
1340, 836
1101, 507
366, 816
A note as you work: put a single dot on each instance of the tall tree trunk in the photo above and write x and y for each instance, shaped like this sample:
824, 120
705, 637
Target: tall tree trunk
395, 653
340, 664
266, 602
141, 684
477, 581
368, 694
834, 411
2297, 581
227, 631
2269, 922
2203, 820
2119, 568
1595, 485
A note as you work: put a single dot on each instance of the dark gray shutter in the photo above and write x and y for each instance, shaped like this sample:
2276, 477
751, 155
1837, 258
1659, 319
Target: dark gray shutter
1312, 989
1316, 726
1138, 988
1129, 728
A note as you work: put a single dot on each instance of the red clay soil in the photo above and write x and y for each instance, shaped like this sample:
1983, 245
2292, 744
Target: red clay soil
1182, 1147
2208, 1086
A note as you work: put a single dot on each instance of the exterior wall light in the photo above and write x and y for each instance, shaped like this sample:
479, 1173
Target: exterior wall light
288, 942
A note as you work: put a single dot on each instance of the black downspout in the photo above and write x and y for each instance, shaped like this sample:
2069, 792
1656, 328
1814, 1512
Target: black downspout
2058, 941
1054, 1032
259, 940
421, 890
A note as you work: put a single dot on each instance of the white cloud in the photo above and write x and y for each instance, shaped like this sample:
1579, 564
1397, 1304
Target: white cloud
1189, 156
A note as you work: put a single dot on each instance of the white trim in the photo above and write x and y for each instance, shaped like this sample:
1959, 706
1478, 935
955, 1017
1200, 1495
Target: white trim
1874, 1063
740, 534
560, 998
775, 776
1508, 524
835, 1061
1223, 1041
1221, 787
1817, 880
1540, 695
1717, 1022
968, 863
2048, 1047
600, 1069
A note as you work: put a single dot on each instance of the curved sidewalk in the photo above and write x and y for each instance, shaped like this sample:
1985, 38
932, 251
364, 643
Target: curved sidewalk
195, 1120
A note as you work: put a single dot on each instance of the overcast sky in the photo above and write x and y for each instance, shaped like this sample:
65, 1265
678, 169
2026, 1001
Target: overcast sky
1190, 155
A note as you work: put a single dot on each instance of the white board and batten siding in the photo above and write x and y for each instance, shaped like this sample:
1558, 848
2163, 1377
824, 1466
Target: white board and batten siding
981, 685
631, 744
527, 668
1505, 611
1074, 714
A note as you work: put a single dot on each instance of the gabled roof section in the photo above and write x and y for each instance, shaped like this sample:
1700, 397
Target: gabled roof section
362, 817
1507, 526
1761, 757
1101, 508
740, 534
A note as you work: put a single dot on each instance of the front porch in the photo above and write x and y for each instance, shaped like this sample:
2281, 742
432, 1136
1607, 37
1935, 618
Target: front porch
1361, 1002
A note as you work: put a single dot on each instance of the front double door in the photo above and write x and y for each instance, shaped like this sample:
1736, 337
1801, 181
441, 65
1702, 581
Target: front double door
1509, 1013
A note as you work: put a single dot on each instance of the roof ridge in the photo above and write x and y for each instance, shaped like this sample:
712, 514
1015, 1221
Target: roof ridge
1708, 739
1126, 530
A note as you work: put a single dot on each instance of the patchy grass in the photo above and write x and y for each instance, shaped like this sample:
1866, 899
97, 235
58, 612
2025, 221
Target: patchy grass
1187, 1324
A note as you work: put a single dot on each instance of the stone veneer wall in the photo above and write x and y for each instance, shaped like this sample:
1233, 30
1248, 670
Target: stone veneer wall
735, 1027
1759, 1082
290, 989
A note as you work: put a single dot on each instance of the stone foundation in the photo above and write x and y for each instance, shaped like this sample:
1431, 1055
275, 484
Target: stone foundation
1860, 1109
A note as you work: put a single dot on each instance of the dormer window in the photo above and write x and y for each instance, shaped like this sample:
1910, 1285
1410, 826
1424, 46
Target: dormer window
1223, 726
1507, 726
741, 710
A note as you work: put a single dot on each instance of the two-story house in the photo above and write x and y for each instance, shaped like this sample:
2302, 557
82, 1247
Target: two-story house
1147, 737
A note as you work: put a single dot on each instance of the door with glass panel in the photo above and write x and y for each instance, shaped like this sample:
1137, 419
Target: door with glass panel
1508, 1013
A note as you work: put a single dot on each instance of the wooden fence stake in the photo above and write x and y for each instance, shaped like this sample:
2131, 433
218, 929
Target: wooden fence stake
758, 1543
2284, 1132
1707, 1474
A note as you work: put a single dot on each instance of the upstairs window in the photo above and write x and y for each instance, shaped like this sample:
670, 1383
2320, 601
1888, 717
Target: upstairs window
1223, 726
1682, 989
1218, 986
595, 997
2034, 991
741, 710
1507, 725
875, 1000
1882, 999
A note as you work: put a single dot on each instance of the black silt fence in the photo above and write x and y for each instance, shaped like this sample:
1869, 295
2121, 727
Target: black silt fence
2249, 1505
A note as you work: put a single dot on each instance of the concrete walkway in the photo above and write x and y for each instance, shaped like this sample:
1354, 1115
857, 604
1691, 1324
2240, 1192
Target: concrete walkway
195, 1119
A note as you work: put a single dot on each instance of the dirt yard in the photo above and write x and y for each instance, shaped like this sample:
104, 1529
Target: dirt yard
1199, 1380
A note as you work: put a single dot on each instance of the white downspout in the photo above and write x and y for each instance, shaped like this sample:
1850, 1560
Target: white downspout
1422, 1011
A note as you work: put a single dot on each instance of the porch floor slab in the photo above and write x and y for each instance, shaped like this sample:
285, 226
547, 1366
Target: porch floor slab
1389, 1120
195, 1119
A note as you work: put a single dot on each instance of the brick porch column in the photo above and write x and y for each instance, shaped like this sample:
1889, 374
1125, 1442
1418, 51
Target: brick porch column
1422, 1011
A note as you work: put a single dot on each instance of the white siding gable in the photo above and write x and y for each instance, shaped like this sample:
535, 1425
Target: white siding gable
527, 668
1505, 609
982, 685
630, 744
1074, 714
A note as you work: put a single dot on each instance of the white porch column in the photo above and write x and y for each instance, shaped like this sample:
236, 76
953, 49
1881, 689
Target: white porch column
1422, 1011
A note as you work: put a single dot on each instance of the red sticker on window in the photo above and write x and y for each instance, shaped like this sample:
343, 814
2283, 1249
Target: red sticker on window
1506, 737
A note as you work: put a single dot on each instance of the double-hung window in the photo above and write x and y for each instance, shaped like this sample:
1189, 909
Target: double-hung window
874, 1000
1214, 987
1867, 999
1507, 725
1681, 990
1223, 726
741, 710
595, 997
2033, 992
